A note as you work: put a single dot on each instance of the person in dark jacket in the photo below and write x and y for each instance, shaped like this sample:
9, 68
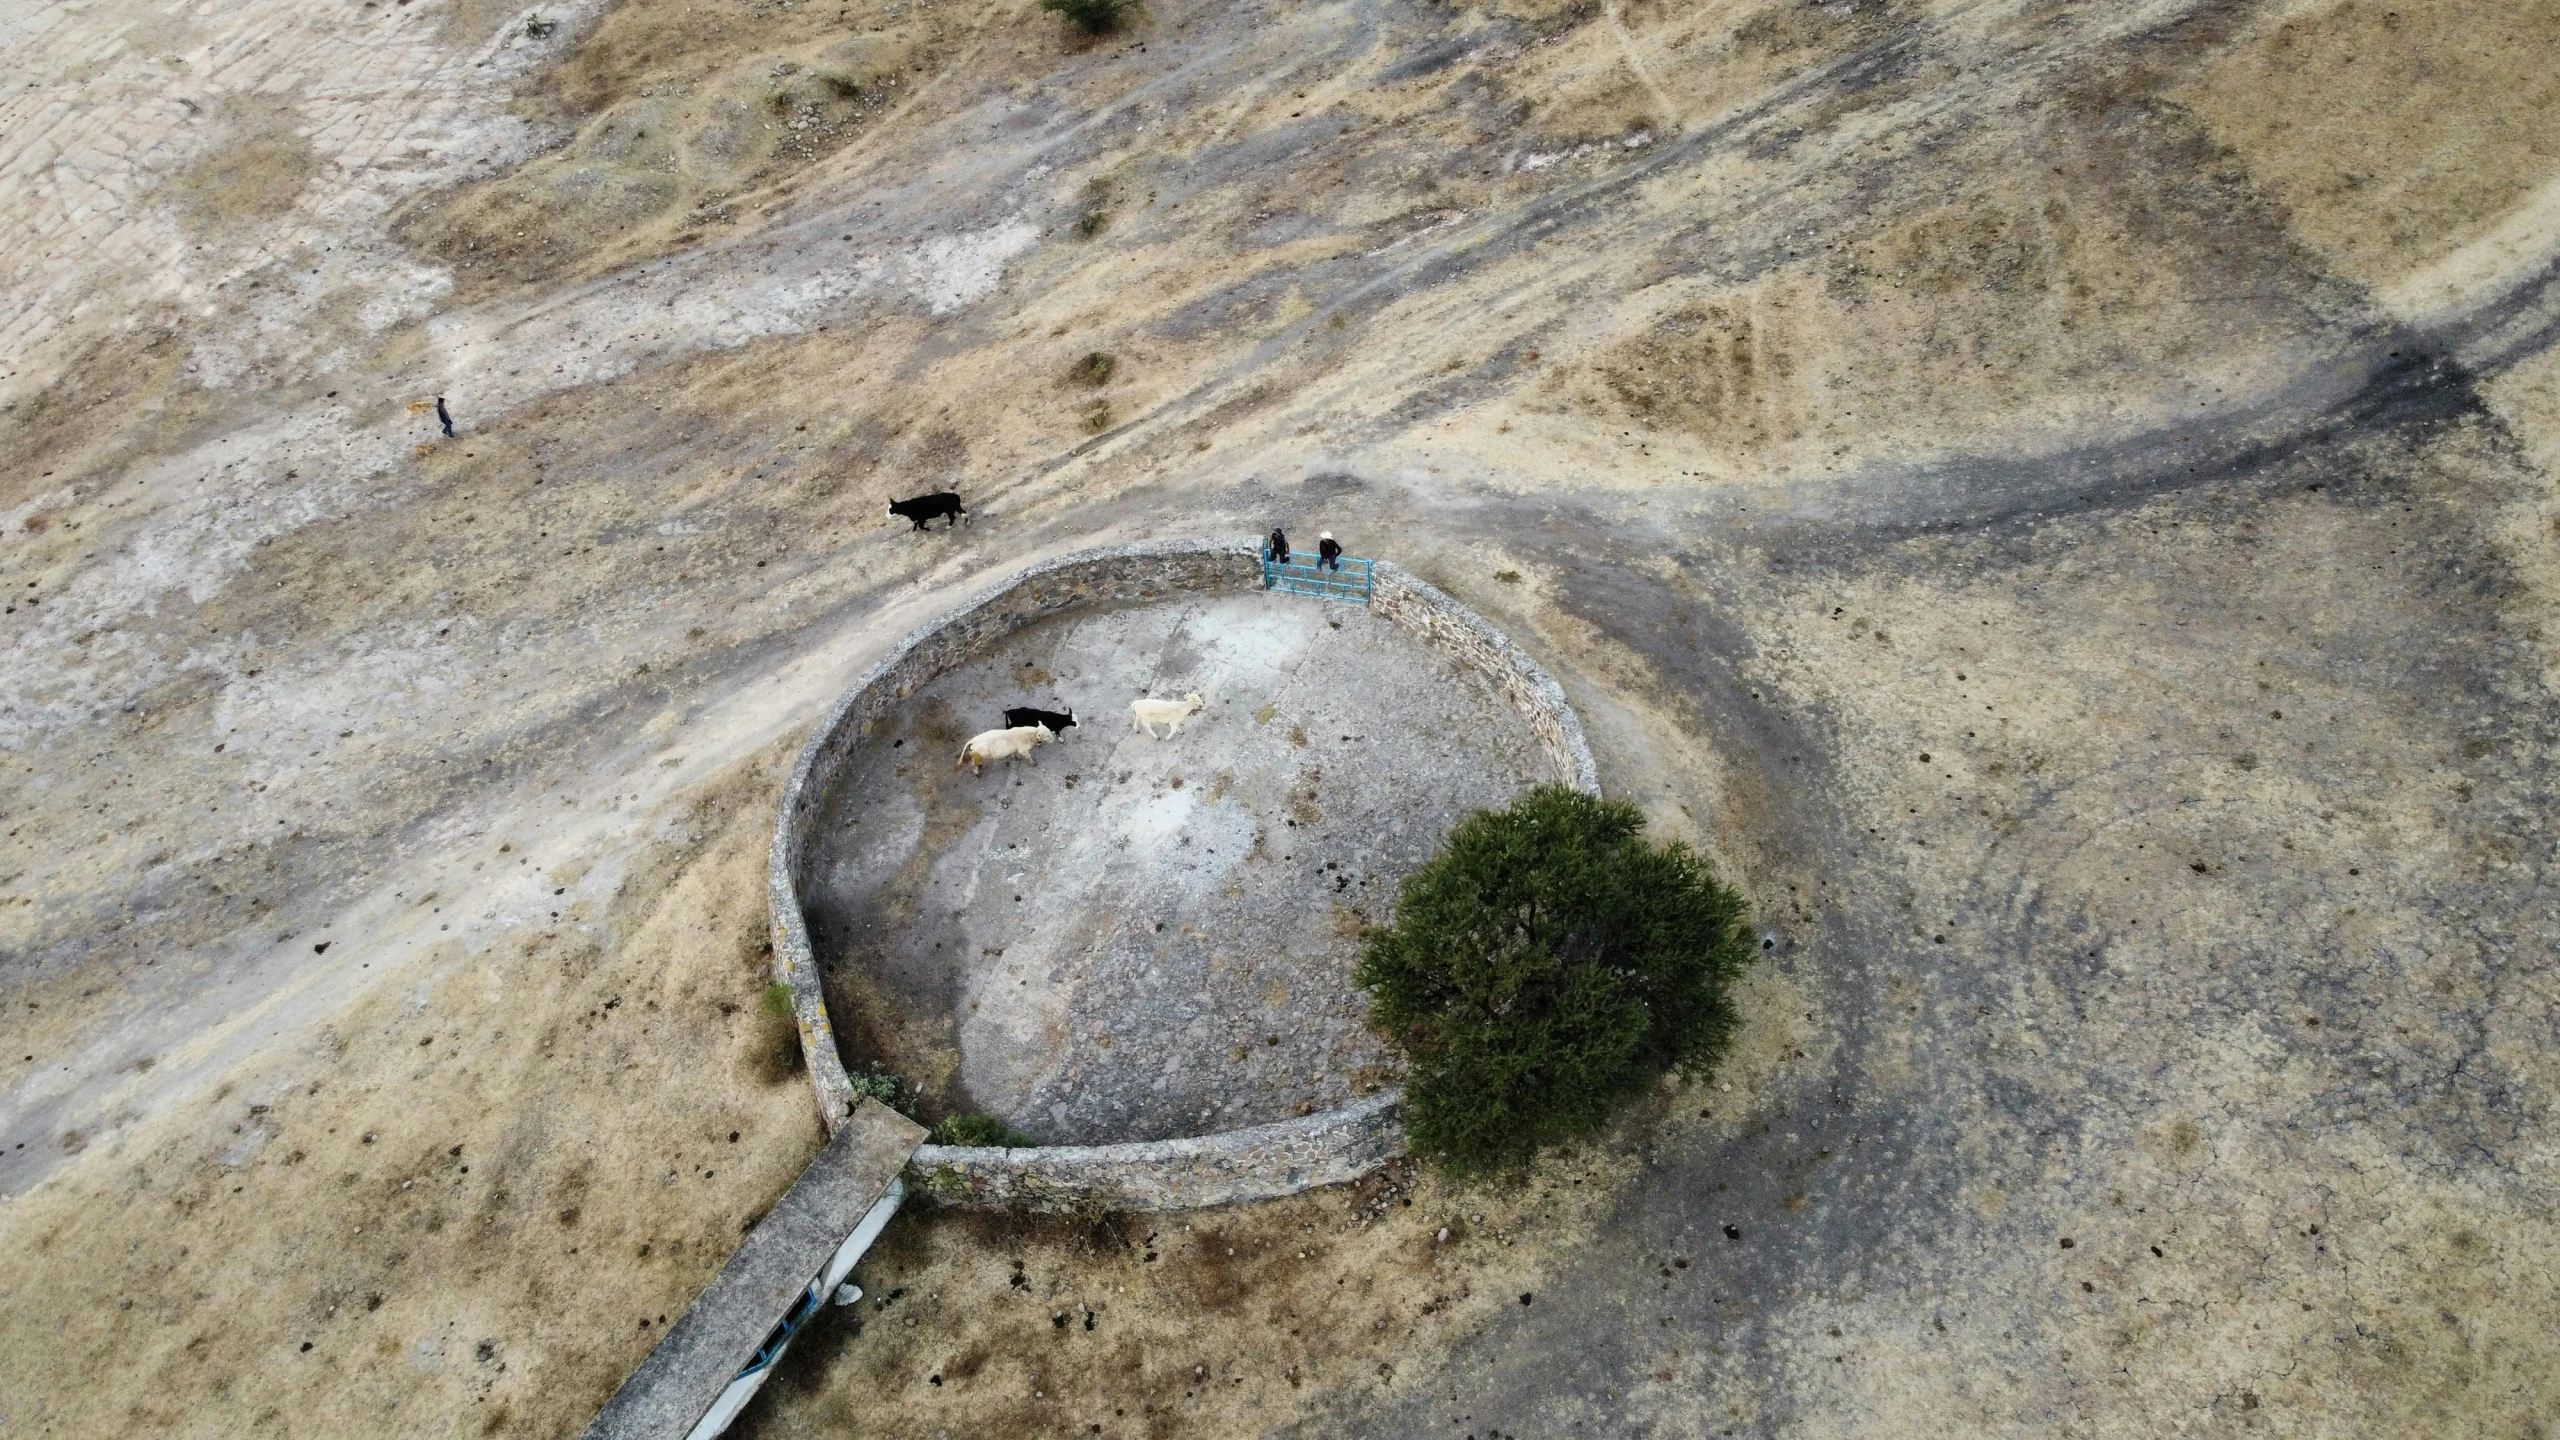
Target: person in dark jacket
444, 417
1327, 552
1279, 546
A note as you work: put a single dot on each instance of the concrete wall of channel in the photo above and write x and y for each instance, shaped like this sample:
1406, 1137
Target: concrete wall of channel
1260, 1162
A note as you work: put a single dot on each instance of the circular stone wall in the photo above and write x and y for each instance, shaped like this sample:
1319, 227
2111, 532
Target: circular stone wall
1143, 946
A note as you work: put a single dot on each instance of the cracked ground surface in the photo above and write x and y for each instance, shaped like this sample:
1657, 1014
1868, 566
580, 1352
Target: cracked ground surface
2057, 500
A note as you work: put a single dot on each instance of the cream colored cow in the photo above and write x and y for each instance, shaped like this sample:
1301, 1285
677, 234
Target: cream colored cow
1148, 714
1021, 740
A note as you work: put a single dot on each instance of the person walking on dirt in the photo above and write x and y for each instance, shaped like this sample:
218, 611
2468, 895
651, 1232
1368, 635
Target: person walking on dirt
1279, 546
444, 417
1327, 552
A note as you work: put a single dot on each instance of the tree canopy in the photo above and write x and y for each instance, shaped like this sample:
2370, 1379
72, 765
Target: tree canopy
1545, 967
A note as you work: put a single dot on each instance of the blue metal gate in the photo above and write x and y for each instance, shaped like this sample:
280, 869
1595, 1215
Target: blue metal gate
1300, 574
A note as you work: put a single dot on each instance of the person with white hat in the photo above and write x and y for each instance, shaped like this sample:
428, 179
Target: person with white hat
1327, 552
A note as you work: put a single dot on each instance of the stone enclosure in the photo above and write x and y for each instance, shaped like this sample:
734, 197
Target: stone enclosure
1138, 951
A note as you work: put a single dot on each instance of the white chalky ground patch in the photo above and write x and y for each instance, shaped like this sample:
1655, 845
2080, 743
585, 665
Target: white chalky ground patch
98, 123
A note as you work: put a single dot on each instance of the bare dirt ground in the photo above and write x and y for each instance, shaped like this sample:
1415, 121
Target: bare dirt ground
2058, 500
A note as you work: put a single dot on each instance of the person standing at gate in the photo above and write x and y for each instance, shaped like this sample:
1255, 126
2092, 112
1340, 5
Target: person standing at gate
444, 417
1279, 546
1327, 552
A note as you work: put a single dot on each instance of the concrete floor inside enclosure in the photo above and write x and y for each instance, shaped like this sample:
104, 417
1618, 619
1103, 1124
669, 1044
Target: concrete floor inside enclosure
1136, 939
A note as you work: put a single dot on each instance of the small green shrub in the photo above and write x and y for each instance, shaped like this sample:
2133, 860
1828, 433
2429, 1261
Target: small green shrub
978, 1130
776, 1000
1545, 967
1094, 369
890, 1090
1093, 17
1098, 419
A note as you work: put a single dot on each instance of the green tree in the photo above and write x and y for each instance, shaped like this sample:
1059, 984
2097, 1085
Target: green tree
1545, 967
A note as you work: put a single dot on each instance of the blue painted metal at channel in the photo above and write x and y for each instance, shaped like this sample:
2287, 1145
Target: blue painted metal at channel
1300, 574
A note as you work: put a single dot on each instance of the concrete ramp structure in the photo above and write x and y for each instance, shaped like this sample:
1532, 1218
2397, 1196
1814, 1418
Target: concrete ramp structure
854, 1180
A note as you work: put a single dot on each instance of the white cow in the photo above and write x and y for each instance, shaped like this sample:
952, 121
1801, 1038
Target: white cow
1148, 714
1001, 745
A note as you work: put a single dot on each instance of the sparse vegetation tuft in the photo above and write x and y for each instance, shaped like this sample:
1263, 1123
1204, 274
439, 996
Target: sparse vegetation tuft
978, 1130
1544, 968
1094, 369
1098, 419
1093, 17
1097, 208
777, 1048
